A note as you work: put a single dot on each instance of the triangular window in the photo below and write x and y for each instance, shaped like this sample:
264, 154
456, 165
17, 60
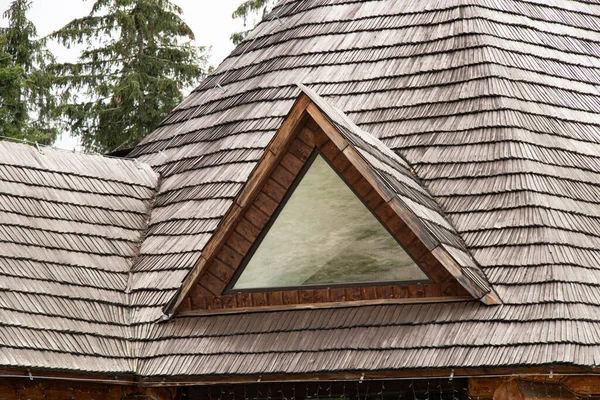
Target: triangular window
325, 235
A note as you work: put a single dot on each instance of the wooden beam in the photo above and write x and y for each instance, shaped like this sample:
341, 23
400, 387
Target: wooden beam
455, 269
415, 224
280, 141
508, 390
315, 306
582, 385
326, 126
442, 373
37, 374
492, 298
361, 165
256, 181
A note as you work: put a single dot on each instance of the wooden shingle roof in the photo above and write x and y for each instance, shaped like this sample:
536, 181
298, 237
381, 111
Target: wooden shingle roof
493, 103
70, 228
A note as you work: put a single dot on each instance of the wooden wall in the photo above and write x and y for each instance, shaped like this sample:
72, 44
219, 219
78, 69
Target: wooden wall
533, 387
510, 387
39, 389
402, 389
497, 388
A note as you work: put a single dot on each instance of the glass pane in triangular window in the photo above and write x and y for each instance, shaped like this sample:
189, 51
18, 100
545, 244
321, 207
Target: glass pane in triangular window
325, 235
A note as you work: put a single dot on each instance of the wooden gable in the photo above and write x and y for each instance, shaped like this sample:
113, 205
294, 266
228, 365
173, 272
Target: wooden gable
306, 131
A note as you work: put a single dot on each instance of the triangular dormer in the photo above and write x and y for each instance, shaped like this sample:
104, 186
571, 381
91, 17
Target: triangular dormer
319, 149
323, 235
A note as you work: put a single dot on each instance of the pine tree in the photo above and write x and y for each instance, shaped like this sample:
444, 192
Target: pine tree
139, 56
251, 11
26, 100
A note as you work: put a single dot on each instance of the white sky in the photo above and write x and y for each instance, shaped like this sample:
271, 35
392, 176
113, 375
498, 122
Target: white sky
210, 20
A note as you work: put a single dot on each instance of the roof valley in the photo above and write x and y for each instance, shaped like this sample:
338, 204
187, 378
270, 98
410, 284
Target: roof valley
132, 344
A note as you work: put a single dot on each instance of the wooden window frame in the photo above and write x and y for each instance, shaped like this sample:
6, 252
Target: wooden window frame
229, 290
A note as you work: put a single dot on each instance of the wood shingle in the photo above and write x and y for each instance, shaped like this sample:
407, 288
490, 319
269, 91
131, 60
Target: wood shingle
486, 115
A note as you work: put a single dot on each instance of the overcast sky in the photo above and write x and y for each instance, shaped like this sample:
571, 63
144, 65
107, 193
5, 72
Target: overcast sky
210, 20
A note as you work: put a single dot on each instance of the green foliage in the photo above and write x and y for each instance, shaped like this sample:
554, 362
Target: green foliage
250, 10
138, 57
26, 100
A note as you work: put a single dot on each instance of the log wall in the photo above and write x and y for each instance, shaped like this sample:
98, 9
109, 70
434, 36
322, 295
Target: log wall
557, 387
40, 389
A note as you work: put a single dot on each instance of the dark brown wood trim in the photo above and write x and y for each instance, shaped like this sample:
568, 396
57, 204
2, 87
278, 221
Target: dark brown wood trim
335, 303
37, 374
442, 373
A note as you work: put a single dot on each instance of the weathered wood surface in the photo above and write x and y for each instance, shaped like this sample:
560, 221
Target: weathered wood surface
551, 386
400, 337
493, 104
70, 229
41, 389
